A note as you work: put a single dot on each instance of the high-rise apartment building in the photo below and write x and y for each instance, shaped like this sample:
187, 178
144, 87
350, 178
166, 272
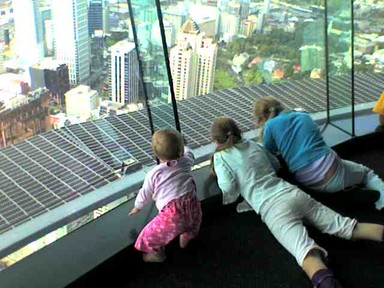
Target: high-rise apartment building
95, 16
248, 26
71, 38
193, 62
124, 73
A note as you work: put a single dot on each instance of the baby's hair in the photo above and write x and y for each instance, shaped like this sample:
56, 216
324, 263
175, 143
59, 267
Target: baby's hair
226, 133
266, 108
167, 144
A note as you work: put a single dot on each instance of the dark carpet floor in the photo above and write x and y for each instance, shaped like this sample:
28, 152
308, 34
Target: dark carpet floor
237, 250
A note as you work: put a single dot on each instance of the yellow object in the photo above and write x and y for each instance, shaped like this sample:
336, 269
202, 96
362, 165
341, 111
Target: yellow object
379, 106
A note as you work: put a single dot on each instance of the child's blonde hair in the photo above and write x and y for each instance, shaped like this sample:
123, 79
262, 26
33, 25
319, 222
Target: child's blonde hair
226, 133
167, 144
265, 108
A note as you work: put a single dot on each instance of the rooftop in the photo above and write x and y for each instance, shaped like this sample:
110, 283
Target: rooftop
45, 172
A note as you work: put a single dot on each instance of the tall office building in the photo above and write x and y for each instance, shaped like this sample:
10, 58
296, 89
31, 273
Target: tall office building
193, 62
95, 16
45, 24
28, 32
169, 31
176, 17
71, 38
263, 15
49, 38
229, 26
54, 77
124, 73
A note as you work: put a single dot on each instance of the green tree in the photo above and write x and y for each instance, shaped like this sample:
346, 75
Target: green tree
222, 59
362, 68
288, 70
223, 80
116, 37
253, 77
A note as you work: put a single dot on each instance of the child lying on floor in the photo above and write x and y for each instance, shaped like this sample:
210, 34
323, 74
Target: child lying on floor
245, 168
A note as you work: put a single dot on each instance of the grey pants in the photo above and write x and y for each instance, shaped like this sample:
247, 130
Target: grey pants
286, 214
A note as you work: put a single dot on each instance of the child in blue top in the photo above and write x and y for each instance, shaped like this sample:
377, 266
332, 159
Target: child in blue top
312, 162
245, 168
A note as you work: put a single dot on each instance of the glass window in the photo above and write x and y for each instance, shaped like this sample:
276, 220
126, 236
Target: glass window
340, 64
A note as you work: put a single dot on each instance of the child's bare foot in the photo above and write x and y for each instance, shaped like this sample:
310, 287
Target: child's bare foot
155, 257
183, 242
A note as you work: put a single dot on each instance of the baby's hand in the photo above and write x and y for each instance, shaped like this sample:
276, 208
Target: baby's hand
134, 211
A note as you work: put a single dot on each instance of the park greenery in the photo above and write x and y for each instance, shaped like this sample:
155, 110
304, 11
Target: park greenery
277, 44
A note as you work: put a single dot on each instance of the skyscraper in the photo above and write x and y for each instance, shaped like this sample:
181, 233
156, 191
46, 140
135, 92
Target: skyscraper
71, 38
175, 16
28, 32
51, 75
229, 26
124, 73
45, 25
262, 16
95, 16
193, 62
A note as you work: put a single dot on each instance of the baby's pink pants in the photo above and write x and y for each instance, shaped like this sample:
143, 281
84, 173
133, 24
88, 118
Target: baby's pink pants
181, 216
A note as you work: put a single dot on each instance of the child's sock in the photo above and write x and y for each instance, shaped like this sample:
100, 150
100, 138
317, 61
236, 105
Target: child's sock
324, 278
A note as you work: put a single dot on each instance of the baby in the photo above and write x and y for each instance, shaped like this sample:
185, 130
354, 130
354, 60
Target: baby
171, 185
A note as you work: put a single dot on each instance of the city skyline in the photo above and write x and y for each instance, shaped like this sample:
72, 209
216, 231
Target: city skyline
284, 50
215, 47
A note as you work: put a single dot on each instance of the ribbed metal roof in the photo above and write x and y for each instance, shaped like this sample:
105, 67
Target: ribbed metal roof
46, 171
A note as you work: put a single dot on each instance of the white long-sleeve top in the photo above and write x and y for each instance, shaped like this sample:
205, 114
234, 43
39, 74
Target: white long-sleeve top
248, 169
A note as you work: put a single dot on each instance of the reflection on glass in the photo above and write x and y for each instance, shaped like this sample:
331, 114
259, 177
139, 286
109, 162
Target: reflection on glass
68, 68
53, 50
215, 45
153, 60
340, 49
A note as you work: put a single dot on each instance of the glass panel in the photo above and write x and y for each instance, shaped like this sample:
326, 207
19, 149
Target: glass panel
153, 62
224, 54
368, 57
69, 72
340, 65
